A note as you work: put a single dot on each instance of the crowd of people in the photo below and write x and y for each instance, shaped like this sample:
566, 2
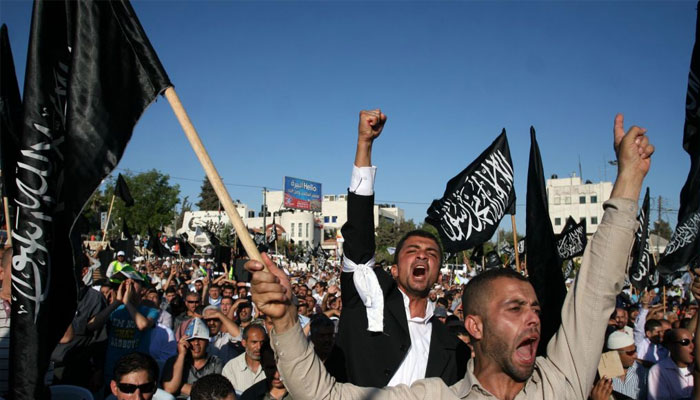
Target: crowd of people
173, 328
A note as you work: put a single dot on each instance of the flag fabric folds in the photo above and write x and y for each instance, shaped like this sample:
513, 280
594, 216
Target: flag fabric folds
122, 191
90, 74
273, 232
10, 116
543, 263
475, 200
684, 247
572, 240
641, 268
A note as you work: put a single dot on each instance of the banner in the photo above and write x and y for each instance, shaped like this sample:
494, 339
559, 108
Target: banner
572, 241
90, 74
684, 247
641, 267
543, 263
476, 200
302, 194
122, 191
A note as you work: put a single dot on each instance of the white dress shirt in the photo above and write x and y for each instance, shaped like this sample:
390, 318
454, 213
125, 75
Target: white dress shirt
420, 329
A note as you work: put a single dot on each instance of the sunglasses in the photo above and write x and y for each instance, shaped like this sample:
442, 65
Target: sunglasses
192, 301
148, 387
630, 352
683, 342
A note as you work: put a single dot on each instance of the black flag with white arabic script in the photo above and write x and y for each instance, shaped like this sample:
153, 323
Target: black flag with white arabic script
641, 266
572, 240
684, 247
122, 191
476, 200
90, 74
543, 263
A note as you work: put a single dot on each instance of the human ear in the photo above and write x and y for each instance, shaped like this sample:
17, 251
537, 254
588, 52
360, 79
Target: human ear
475, 326
394, 271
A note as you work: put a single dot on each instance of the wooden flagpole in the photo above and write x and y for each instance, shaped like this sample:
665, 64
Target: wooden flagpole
8, 229
109, 214
515, 242
212, 174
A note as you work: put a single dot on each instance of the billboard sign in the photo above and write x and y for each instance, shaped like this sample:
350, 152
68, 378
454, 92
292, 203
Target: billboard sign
302, 194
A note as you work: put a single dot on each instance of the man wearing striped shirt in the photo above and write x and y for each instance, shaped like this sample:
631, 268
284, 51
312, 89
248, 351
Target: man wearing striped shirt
633, 384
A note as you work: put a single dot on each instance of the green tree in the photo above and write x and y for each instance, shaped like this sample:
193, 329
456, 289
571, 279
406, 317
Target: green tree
388, 234
663, 229
155, 202
207, 197
186, 206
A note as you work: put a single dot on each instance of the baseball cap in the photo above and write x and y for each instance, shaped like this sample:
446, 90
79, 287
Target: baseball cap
197, 329
121, 253
618, 340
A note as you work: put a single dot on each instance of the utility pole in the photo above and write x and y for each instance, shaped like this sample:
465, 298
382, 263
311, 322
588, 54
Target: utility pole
264, 207
658, 225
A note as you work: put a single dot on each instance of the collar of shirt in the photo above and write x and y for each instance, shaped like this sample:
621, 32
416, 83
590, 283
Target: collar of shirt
668, 363
429, 308
246, 367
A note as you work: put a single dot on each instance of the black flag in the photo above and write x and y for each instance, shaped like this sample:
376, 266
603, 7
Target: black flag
122, 191
684, 246
572, 240
641, 267
90, 74
10, 117
186, 249
125, 230
475, 200
543, 263
154, 244
493, 260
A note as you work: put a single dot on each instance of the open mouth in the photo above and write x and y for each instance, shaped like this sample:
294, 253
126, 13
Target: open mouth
526, 351
419, 271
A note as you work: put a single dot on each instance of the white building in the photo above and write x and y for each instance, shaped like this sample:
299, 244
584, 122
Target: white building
569, 197
301, 226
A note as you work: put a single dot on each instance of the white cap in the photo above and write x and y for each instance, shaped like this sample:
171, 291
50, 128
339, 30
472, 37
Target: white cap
120, 253
202, 261
619, 339
197, 329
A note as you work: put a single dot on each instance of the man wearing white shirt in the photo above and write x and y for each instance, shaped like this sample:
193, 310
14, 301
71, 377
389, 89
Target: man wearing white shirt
386, 332
648, 336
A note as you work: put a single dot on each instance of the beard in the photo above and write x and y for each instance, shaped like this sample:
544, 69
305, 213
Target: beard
497, 349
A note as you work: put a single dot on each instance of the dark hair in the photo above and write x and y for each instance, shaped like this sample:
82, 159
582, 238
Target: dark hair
244, 305
420, 233
211, 387
227, 286
133, 362
652, 324
170, 289
476, 291
246, 330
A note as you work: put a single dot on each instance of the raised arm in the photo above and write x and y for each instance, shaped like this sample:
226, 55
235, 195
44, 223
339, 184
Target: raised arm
575, 349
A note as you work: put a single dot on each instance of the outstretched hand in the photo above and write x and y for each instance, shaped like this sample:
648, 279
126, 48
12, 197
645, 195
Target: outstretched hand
272, 293
633, 152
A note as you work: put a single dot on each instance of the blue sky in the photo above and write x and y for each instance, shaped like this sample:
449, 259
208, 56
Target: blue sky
274, 89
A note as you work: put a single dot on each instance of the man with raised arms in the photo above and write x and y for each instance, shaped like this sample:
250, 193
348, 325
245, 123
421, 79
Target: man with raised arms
501, 315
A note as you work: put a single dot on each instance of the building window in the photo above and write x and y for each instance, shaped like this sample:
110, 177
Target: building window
557, 221
292, 232
300, 228
326, 220
557, 200
594, 199
567, 200
307, 229
335, 219
582, 199
594, 220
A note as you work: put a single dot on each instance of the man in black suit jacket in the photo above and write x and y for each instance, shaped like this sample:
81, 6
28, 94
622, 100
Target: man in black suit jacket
387, 334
